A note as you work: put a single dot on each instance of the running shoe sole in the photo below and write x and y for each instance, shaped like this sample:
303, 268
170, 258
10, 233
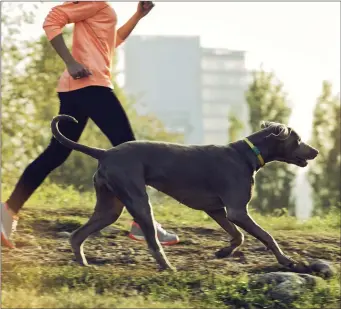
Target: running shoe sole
165, 243
6, 242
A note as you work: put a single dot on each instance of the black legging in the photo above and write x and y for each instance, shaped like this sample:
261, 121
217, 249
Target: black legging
95, 102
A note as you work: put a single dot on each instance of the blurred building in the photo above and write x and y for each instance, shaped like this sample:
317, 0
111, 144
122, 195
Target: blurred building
163, 75
190, 88
224, 82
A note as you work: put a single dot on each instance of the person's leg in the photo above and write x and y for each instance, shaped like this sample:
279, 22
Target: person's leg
104, 108
36, 172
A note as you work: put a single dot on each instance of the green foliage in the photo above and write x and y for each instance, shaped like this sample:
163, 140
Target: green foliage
235, 127
324, 174
274, 183
18, 125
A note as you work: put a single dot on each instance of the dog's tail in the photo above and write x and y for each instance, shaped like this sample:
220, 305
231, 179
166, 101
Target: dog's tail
90, 151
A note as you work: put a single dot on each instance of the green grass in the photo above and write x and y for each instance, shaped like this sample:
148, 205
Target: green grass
70, 287
53, 198
41, 273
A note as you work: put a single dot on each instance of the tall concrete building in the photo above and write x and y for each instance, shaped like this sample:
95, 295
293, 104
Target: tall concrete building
163, 75
224, 82
189, 88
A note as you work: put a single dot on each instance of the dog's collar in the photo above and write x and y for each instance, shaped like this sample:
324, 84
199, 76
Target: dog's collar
256, 151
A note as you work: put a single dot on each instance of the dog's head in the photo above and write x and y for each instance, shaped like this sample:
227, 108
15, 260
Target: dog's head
286, 144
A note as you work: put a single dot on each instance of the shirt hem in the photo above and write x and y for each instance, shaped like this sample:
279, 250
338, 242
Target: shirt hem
103, 83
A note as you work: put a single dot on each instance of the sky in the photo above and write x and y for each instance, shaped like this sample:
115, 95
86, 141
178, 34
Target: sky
299, 41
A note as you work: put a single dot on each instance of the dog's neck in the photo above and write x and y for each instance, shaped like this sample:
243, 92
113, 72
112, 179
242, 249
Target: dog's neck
249, 155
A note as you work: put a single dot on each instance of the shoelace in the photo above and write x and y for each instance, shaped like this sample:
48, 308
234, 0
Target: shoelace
14, 225
159, 227
15, 219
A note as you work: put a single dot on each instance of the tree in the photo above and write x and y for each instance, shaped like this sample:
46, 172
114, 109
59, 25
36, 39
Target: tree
235, 127
274, 183
324, 173
19, 131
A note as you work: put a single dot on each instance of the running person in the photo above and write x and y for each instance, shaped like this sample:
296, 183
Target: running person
85, 91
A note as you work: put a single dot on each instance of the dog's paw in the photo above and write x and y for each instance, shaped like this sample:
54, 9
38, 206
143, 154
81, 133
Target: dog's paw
81, 262
287, 261
167, 269
224, 252
300, 267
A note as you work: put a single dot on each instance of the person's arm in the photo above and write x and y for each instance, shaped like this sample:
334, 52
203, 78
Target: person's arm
143, 8
56, 20
75, 69
69, 13
124, 31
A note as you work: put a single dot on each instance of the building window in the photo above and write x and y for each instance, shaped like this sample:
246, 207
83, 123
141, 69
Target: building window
233, 64
215, 110
216, 124
211, 79
216, 94
210, 64
222, 64
216, 138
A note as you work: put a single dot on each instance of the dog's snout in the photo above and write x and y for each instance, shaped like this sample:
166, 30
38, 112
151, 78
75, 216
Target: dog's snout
313, 153
307, 152
316, 152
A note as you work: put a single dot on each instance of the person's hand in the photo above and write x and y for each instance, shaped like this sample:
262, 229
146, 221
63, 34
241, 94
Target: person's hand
77, 70
144, 7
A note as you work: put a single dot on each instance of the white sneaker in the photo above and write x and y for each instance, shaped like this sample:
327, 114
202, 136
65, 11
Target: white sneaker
8, 225
166, 238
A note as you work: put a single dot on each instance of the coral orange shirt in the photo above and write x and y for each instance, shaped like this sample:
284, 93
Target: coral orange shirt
94, 40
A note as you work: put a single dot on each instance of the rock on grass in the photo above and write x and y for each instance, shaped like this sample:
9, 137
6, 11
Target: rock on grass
322, 268
284, 286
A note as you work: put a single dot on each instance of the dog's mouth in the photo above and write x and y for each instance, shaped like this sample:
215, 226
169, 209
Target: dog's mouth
301, 162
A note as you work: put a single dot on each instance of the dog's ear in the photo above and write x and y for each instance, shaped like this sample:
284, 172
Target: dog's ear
265, 124
281, 132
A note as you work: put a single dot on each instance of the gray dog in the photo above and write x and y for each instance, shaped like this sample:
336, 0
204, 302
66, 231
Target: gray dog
215, 179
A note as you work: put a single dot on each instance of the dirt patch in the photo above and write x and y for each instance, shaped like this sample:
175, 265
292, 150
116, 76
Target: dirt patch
37, 241
44, 263
195, 251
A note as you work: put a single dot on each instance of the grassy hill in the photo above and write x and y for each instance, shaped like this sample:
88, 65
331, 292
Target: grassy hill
40, 273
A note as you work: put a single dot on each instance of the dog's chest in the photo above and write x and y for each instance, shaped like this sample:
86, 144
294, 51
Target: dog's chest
194, 196
195, 185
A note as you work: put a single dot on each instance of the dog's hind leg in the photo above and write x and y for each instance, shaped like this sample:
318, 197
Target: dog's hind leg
220, 216
108, 209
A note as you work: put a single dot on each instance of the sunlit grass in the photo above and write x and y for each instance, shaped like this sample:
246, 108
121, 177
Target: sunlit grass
52, 197
51, 286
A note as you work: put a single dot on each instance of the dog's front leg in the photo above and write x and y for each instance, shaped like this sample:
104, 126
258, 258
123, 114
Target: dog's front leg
220, 216
140, 208
240, 217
